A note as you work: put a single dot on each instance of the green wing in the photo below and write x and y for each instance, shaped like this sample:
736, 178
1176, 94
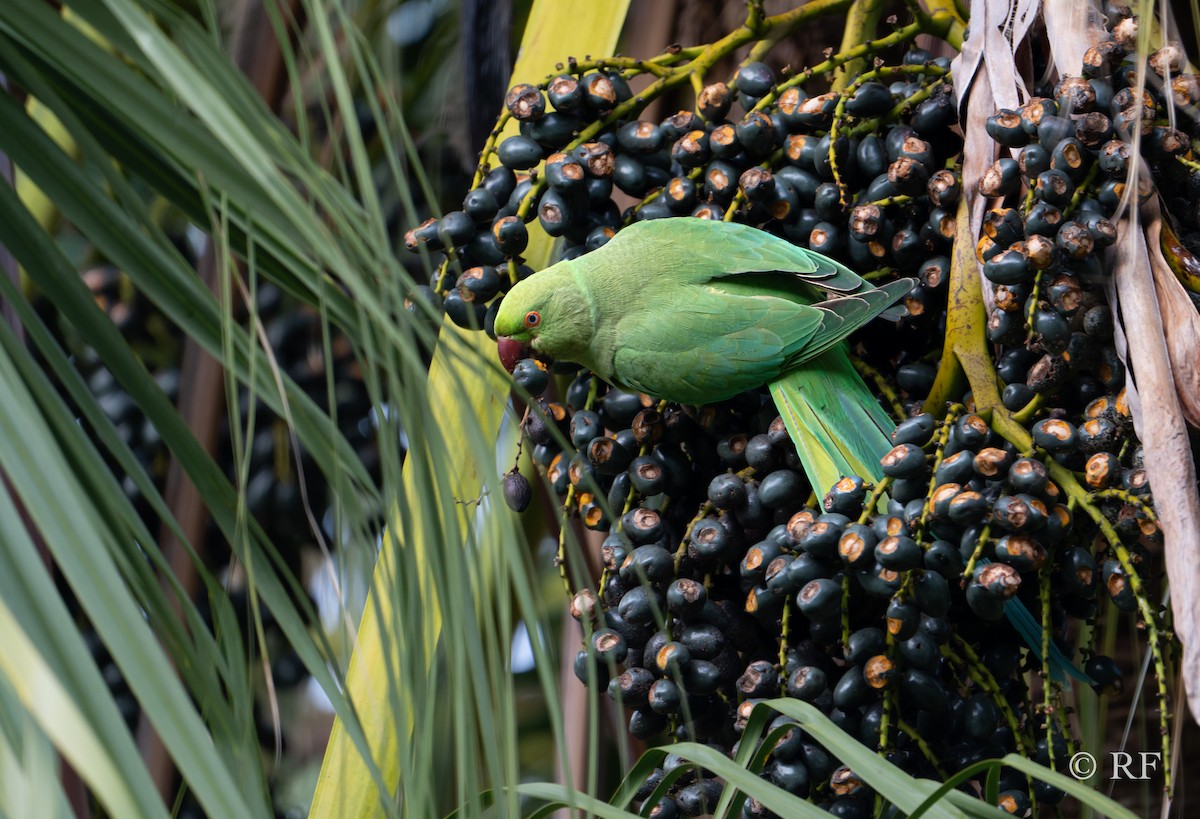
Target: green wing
697, 251
698, 346
842, 316
701, 344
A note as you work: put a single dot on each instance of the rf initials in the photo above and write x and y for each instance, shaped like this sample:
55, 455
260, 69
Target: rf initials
1122, 763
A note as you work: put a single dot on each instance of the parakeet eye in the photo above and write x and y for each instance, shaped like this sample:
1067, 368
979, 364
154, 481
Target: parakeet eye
532, 319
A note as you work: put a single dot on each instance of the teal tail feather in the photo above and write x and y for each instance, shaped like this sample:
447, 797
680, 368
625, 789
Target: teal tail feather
1031, 632
839, 429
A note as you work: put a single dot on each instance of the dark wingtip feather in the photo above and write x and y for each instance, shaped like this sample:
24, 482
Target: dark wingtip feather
878, 300
896, 290
846, 314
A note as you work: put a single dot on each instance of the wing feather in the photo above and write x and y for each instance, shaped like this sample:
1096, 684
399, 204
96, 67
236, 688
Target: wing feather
710, 346
727, 307
702, 250
842, 316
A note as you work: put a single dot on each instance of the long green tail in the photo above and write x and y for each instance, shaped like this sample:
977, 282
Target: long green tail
839, 429
836, 423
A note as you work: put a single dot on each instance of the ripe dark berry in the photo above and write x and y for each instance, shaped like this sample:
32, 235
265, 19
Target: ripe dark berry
520, 153
898, 552
646, 724
424, 234
709, 540
609, 646
754, 79
517, 491
916, 430
943, 557
931, 593
1005, 128
871, 99
903, 618
608, 455
640, 606
957, 468
1019, 513
643, 525
469, 315
819, 598
1055, 435
1001, 179
1021, 552
727, 491
511, 235
525, 102
1105, 672
856, 546
531, 375
599, 92
782, 488
632, 687
846, 496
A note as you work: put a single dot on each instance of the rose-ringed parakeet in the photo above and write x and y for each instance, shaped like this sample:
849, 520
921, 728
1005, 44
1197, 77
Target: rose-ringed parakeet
696, 311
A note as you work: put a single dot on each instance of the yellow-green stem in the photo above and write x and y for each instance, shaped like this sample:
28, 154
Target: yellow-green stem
939, 447
943, 19
965, 358
900, 35
1047, 683
982, 677
861, 22
1026, 413
923, 747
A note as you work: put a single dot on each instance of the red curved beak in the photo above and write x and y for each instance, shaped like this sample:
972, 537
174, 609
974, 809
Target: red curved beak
511, 351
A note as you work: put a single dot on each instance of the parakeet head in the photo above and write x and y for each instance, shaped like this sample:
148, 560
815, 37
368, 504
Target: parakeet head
521, 315
547, 311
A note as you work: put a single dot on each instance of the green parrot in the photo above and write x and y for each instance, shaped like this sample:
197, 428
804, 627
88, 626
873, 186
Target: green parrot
696, 311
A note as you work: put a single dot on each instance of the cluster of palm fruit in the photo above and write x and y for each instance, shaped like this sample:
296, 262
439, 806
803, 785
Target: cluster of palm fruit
725, 579
1058, 199
723, 584
1044, 254
885, 614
